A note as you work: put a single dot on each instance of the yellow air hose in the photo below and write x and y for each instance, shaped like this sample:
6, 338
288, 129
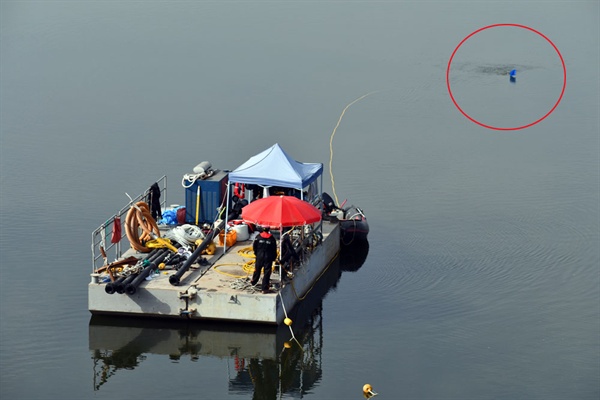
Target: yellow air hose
161, 243
331, 141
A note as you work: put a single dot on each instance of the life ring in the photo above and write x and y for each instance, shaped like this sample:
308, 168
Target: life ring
239, 190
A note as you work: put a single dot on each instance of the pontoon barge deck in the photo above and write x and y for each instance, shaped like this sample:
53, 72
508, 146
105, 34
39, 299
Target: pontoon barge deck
213, 287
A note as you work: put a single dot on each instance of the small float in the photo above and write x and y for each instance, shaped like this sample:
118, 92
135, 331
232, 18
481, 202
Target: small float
193, 261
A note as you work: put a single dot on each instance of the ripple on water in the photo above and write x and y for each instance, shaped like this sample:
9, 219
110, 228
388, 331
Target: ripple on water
467, 266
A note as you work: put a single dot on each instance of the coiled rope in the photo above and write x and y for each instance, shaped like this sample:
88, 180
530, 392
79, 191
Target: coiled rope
247, 266
217, 266
185, 234
244, 285
190, 179
246, 252
139, 218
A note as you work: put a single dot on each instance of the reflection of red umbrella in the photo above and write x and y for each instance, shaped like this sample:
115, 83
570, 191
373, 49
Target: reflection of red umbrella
278, 211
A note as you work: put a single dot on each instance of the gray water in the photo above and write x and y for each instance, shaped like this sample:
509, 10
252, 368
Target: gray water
481, 279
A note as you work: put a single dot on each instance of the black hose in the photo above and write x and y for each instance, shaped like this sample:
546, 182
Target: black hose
111, 287
175, 278
120, 286
131, 288
173, 260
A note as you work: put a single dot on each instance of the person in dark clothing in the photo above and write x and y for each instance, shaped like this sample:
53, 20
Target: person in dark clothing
288, 253
238, 204
265, 250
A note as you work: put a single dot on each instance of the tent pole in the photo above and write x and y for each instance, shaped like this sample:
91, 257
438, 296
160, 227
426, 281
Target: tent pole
321, 207
226, 216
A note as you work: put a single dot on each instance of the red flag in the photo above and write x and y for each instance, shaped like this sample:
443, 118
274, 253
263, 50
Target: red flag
116, 230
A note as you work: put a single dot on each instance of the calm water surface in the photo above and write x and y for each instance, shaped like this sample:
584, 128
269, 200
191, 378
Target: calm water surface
481, 278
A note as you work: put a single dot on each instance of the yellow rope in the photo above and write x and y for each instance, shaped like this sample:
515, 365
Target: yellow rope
247, 267
331, 141
246, 252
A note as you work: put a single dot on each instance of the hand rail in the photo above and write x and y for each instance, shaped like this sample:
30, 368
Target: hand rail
101, 235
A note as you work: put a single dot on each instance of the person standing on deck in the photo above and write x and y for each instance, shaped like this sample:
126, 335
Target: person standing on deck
265, 250
288, 253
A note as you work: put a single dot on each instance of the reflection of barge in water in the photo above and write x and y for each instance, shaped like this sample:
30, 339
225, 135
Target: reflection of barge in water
119, 343
194, 288
257, 350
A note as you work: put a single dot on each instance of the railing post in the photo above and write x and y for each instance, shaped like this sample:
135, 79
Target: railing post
117, 247
165, 205
93, 253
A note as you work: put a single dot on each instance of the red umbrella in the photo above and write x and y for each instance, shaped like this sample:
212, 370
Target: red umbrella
278, 211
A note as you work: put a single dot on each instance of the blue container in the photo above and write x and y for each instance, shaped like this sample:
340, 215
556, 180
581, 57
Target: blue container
212, 192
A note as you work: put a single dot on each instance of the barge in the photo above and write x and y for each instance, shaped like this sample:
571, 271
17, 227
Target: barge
154, 271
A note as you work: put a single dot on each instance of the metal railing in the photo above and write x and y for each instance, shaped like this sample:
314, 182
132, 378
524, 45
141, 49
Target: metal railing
101, 236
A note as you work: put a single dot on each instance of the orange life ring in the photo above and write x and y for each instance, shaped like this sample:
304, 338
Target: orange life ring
239, 190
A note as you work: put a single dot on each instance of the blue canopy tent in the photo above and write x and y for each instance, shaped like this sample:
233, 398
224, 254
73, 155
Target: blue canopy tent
274, 167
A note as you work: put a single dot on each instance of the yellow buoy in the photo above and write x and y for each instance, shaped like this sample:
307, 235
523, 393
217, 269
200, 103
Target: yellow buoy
368, 390
210, 249
287, 321
287, 345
